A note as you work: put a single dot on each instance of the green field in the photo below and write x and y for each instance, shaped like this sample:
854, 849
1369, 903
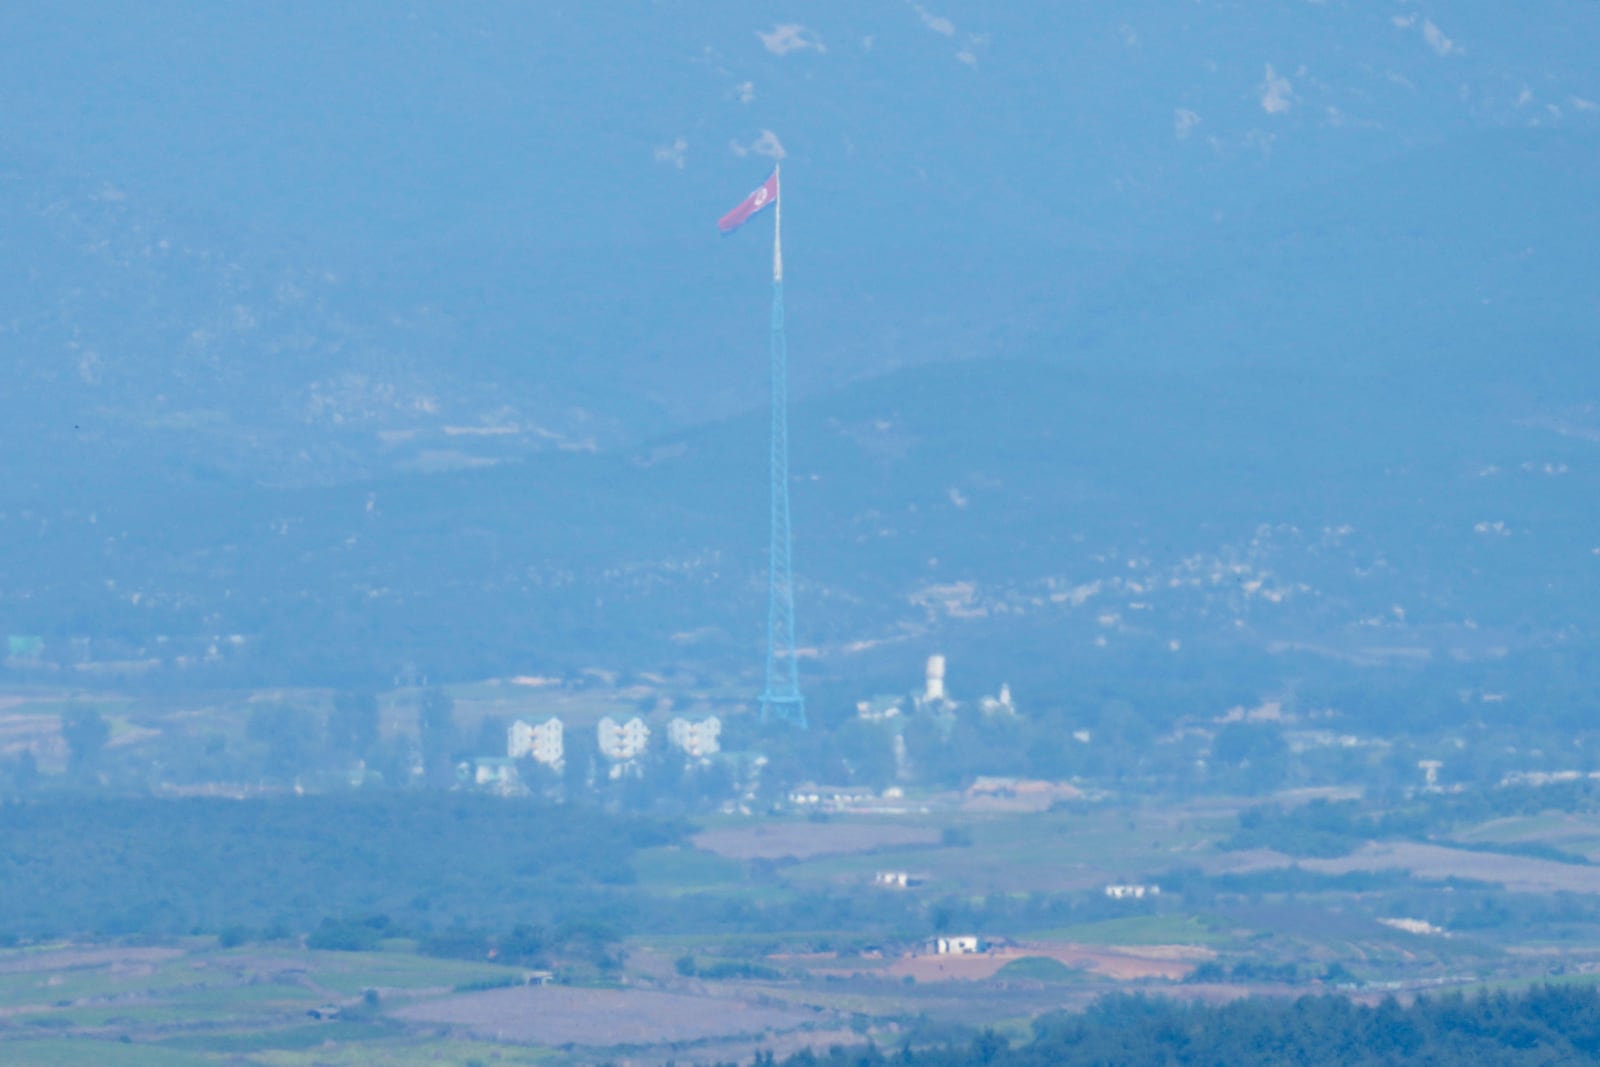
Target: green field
1028, 852
1140, 930
201, 1005
1040, 969
674, 869
62, 1052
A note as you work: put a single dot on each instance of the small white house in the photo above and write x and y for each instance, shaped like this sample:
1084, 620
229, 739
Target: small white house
964, 945
1132, 892
497, 774
897, 880
880, 709
999, 705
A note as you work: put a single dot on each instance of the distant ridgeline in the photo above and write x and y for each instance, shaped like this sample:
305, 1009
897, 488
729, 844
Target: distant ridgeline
1546, 1026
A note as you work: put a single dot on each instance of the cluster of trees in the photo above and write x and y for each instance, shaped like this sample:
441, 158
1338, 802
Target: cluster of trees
1325, 828
288, 741
274, 742
1260, 972
77, 865
1539, 1028
1098, 737
591, 945
461, 873
85, 731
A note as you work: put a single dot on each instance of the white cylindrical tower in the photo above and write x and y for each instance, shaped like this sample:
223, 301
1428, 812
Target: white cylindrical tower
935, 687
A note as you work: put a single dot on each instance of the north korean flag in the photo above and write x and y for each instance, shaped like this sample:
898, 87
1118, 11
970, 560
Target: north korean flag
767, 194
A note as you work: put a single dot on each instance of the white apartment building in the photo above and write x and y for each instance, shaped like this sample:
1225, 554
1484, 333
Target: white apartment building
542, 742
625, 742
696, 739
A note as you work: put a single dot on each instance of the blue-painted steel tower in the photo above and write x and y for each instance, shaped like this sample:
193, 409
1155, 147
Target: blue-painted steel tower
781, 698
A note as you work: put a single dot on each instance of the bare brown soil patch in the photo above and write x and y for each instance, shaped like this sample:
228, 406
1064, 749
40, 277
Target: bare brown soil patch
1125, 964
781, 1046
948, 968
801, 841
562, 1015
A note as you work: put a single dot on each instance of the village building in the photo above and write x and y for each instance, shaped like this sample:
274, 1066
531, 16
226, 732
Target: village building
880, 708
542, 743
897, 880
498, 774
1132, 892
832, 797
999, 705
696, 740
965, 945
622, 742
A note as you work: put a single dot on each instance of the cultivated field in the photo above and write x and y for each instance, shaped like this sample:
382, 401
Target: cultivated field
553, 1015
795, 839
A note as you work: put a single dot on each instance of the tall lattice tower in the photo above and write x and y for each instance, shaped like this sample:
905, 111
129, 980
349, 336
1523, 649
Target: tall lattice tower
781, 697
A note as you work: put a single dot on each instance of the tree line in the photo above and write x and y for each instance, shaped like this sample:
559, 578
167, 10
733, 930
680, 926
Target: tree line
1547, 1026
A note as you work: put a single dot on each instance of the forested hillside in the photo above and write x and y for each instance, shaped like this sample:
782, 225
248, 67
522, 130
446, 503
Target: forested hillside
1545, 1026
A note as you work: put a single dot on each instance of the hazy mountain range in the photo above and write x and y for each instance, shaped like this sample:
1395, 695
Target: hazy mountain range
401, 333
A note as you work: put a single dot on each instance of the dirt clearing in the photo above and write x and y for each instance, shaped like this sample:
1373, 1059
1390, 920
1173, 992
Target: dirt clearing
560, 1015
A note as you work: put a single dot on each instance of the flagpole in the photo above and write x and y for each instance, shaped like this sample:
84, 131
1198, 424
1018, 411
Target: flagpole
781, 698
777, 227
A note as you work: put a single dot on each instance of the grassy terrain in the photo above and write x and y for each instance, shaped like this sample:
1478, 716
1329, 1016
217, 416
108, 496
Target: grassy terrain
348, 974
673, 869
136, 1006
1040, 969
1029, 877
409, 1053
1141, 930
63, 1052
1575, 833
1022, 852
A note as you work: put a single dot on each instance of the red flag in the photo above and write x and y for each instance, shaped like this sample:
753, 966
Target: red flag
762, 197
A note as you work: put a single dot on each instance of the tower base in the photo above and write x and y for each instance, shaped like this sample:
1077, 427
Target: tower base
789, 708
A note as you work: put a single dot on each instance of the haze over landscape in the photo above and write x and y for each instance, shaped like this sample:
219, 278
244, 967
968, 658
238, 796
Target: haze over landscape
1220, 379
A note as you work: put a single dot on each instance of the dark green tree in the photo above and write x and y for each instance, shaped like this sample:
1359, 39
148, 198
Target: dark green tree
353, 725
287, 734
24, 772
436, 730
86, 732
1253, 756
491, 736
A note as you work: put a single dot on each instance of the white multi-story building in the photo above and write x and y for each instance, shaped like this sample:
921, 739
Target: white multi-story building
625, 742
933, 691
542, 742
696, 739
